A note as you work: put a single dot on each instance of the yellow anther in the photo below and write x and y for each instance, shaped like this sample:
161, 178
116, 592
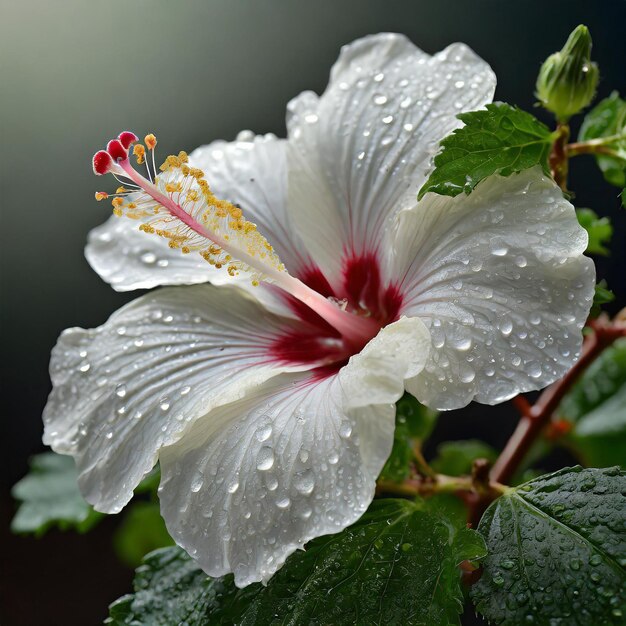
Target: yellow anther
101, 195
173, 187
118, 212
140, 152
131, 205
185, 249
121, 190
117, 202
150, 141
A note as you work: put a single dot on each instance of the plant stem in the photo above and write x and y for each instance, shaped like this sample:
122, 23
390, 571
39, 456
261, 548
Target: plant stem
594, 146
558, 159
535, 418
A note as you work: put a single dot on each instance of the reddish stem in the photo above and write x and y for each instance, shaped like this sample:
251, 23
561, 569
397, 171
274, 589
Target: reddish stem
536, 417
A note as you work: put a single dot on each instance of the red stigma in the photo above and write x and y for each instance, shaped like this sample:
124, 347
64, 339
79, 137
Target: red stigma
117, 150
101, 162
127, 138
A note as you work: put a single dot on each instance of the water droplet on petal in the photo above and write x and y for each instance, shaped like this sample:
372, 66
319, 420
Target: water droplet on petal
149, 258
120, 391
264, 432
304, 482
265, 459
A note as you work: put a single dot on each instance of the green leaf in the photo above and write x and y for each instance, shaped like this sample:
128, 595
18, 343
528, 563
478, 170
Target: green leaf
596, 406
557, 551
50, 497
499, 140
414, 423
608, 119
397, 565
141, 531
599, 230
170, 589
602, 295
455, 458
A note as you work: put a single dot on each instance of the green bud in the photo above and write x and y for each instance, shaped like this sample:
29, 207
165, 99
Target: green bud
568, 79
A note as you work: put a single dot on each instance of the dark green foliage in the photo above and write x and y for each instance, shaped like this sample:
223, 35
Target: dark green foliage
50, 497
142, 530
596, 406
456, 457
397, 565
414, 423
608, 119
557, 552
599, 230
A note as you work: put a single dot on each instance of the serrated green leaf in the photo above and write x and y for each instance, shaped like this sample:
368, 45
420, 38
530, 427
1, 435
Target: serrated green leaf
602, 295
596, 406
397, 565
142, 530
170, 589
599, 230
455, 458
608, 119
50, 497
500, 139
557, 551
414, 423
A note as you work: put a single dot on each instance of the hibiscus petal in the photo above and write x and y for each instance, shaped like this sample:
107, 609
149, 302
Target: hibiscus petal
361, 151
125, 389
250, 172
500, 279
255, 480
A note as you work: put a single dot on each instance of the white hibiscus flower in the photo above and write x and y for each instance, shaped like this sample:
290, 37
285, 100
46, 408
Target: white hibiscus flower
270, 408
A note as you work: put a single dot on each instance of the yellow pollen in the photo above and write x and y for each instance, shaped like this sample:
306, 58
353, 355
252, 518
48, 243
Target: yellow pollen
213, 223
121, 190
140, 152
101, 195
150, 141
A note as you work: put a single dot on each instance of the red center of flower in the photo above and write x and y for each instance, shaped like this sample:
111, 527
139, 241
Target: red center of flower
362, 292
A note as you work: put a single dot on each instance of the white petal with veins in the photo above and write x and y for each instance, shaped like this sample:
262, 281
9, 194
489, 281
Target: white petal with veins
253, 481
361, 151
500, 279
125, 389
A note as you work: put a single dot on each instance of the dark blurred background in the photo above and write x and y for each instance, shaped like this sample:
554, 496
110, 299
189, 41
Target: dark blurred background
74, 73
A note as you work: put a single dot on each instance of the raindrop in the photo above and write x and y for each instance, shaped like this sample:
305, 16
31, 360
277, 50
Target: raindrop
120, 391
304, 482
185, 390
380, 100
283, 503
345, 430
506, 327
264, 432
149, 258
233, 487
265, 459
463, 344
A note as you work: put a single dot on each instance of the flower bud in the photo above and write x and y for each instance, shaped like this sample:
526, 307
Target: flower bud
567, 80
